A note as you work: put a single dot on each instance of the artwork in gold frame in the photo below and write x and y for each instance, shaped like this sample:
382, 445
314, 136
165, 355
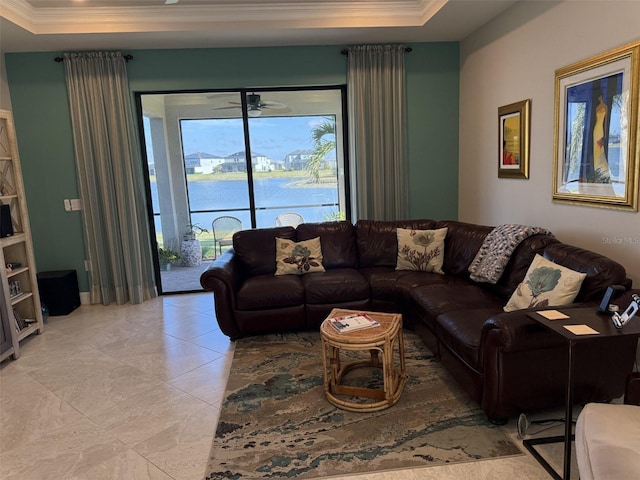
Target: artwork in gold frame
596, 130
513, 140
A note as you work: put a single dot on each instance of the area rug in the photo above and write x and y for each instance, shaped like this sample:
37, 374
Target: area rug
275, 421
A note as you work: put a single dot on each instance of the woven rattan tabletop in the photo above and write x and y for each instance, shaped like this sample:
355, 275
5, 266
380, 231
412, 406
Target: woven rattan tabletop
389, 325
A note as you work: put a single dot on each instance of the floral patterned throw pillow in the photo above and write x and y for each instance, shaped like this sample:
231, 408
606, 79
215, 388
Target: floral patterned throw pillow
298, 258
421, 250
546, 284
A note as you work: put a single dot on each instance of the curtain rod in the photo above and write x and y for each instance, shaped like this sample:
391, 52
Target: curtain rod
346, 51
126, 57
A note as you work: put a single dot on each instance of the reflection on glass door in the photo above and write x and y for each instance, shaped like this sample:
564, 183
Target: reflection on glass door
199, 146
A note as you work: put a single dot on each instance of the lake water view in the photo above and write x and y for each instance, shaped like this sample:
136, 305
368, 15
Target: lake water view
613, 159
273, 195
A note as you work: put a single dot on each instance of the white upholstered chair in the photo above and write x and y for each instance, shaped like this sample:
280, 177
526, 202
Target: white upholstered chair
608, 437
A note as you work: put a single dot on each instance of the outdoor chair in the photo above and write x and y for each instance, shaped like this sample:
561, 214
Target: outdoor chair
289, 219
223, 229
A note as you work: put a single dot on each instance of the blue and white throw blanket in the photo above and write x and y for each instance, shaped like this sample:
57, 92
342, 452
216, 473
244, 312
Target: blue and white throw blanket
495, 252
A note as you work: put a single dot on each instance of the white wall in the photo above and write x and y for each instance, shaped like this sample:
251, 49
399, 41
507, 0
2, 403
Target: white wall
514, 58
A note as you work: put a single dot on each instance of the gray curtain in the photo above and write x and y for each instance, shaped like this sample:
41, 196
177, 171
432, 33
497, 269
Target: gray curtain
109, 178
377, 119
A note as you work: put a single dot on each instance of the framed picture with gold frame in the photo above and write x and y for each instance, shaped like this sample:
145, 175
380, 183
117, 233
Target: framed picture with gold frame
596, 130
514, 129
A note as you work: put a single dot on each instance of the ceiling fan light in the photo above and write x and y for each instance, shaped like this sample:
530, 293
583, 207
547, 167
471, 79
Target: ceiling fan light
254, 112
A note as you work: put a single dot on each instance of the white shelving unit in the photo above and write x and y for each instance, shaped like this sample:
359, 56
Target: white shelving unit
20, 312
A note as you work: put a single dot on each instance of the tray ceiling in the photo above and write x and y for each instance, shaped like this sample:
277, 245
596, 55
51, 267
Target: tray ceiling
47, 25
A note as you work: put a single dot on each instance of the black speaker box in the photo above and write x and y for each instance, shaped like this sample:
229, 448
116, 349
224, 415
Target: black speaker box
6, 226
59, 291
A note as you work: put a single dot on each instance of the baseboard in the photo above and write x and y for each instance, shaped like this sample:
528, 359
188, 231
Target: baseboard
85, 298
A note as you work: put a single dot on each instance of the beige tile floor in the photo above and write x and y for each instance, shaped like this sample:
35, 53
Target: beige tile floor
134, 392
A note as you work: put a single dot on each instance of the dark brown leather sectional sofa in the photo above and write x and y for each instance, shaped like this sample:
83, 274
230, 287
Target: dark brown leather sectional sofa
505, 361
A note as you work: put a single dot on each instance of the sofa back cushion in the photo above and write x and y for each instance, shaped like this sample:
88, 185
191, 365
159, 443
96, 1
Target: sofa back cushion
601, 271
377, 240
338, 241
461, 245
519, 263
256, 249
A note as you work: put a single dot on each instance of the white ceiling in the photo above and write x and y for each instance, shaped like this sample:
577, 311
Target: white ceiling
56, 25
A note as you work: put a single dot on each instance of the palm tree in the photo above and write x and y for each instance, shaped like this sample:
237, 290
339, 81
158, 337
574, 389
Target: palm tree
323, 136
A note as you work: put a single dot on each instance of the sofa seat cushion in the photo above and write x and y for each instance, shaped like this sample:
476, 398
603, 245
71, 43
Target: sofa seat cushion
337, 285
433, 300
266, 291
460, 331
395, 285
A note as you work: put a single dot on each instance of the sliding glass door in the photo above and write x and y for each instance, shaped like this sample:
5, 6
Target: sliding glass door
265, 158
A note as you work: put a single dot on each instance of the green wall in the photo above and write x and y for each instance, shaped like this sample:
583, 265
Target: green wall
43, 125
433, 84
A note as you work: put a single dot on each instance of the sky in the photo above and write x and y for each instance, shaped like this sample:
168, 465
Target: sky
274, 137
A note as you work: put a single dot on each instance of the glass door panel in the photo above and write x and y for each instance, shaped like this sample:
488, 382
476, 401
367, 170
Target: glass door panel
191, 179
216, 175
296, 165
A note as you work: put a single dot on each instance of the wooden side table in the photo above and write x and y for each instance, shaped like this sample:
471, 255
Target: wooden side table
382, 342
603, 325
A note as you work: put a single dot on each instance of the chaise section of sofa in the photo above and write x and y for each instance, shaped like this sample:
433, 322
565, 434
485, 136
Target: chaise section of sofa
505, 360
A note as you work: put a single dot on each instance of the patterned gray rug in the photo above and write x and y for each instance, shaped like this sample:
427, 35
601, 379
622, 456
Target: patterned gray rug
276, 423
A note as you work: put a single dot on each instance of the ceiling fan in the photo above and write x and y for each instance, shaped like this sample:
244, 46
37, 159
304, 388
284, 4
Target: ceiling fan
255, 105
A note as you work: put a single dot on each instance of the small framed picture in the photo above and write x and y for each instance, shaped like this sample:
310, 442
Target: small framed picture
15, 289
513, 140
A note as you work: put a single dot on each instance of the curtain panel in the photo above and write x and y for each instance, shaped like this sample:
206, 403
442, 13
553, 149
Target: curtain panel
110, 178
378, 125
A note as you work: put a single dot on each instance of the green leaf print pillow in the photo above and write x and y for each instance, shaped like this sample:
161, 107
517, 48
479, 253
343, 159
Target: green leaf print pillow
546, 284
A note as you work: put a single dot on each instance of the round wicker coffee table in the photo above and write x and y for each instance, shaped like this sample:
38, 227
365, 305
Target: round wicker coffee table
385, 344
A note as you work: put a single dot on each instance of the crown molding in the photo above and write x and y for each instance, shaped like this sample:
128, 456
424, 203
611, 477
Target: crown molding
229, 14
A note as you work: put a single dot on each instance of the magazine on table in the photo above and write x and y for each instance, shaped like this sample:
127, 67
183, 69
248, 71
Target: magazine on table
353, 323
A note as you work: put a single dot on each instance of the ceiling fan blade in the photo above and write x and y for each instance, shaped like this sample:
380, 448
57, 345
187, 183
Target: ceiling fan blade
277, 110
225, 108
272, 104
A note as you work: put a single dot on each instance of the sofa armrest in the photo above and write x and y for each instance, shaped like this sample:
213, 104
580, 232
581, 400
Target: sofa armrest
223, 277
515, 331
